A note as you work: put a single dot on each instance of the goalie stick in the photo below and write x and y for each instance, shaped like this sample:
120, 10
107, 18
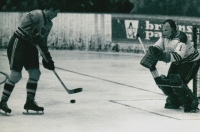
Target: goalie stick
162, 82
72, 91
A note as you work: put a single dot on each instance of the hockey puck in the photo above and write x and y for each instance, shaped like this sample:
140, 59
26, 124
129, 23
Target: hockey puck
72, 101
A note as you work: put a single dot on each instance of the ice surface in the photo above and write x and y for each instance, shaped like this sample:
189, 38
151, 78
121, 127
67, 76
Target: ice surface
119, 95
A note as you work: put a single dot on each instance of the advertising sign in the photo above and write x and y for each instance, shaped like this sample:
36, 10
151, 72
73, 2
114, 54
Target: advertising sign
125, 28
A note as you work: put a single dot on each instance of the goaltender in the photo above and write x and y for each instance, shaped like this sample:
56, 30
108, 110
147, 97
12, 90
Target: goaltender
175, 47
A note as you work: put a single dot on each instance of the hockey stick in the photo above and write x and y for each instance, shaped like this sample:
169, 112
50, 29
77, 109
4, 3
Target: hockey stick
72, 91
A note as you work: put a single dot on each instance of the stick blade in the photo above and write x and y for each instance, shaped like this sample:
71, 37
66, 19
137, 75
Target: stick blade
77, 90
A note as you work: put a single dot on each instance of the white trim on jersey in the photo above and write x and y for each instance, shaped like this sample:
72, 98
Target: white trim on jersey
13, 52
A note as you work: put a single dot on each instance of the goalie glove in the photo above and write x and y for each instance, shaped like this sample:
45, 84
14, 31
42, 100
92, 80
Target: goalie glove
159, 54
148, 61
50, 64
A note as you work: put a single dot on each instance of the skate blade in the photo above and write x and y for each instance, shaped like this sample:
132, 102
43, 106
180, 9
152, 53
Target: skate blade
33, 113
4, 113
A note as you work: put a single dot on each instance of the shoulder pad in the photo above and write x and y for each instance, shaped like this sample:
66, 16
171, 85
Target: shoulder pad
182, 37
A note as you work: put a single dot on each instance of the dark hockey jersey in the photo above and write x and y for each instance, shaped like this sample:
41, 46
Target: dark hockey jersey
180, 48
32, 24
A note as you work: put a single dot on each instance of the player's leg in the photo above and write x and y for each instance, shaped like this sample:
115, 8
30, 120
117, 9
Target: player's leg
14, 77
188, 100
16, 64
32, 67
31, 87
172, 101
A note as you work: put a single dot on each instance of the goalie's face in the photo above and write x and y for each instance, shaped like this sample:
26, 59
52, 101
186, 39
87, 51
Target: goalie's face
166, 31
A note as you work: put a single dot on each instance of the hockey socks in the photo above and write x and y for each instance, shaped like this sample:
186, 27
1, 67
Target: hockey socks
5, 96
31, 90
30, 103
7, 91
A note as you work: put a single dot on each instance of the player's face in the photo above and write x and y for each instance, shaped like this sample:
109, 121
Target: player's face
166, 31
53, 13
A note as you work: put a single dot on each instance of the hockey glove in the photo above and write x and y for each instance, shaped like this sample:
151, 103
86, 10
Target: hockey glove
148, 61
50, 64
155, 52
166, 57
159, 54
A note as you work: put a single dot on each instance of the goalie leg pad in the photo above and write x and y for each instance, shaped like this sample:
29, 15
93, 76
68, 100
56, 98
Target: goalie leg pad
149, 61
172, 102
163, 80
187, 99
176, 80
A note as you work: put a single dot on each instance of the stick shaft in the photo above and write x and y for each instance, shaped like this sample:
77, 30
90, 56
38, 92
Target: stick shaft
43, 55
61, 81
142, 44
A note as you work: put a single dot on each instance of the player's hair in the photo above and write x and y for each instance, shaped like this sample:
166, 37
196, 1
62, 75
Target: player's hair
55, 5
171, 23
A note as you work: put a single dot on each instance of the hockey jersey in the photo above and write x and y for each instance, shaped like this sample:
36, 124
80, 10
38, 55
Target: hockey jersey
32, 24
180, 48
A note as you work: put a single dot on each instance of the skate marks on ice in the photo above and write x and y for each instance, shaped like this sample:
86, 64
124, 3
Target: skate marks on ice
157, 107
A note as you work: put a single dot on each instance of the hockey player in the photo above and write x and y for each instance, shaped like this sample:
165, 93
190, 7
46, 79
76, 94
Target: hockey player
175, 47
33, 30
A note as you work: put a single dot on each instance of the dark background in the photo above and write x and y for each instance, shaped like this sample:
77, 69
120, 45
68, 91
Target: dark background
158, 7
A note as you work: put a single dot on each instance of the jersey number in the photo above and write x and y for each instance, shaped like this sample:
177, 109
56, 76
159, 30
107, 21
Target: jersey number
180, 48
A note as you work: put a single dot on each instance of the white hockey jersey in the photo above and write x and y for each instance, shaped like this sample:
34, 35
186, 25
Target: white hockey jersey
180, 48
32, 24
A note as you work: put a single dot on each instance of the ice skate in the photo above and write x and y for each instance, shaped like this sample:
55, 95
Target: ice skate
32, 105
191, 107
4, 107
172, 103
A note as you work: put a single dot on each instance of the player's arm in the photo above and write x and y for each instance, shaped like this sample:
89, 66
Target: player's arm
160, 43
180, 50
154, 54
44, 47
159, 54
157, 51
177, 55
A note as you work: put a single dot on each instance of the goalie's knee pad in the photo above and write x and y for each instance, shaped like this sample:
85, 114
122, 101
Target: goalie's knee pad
14, 77
164, 84
167, 90
148, 61
34, 74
